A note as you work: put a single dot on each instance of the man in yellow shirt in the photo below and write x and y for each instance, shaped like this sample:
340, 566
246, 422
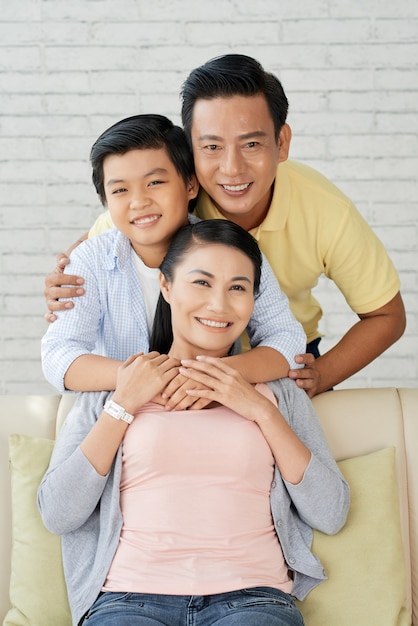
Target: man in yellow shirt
234, 115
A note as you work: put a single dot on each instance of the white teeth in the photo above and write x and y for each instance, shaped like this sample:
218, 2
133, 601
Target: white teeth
146, 220
236, 187
213, 323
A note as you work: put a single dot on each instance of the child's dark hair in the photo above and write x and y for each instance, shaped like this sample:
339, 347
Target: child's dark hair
204, 232
232, 75
141, 132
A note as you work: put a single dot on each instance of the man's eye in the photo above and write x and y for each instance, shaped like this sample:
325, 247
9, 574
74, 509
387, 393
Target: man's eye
252, 144
212, 147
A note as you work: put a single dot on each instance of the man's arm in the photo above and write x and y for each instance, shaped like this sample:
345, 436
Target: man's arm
365, 341
54, 282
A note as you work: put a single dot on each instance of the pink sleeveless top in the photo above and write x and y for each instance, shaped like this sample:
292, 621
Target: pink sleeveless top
195, 503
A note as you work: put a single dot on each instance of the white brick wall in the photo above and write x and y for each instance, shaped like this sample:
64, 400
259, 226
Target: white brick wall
70, 69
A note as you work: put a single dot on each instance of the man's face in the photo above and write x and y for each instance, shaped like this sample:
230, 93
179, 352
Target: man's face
236, 155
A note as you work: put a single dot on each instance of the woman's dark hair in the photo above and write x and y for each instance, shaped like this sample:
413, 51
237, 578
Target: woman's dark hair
141, 132
204, 232
232, 75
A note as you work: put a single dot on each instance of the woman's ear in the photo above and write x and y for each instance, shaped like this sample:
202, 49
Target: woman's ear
192, 187
164, 287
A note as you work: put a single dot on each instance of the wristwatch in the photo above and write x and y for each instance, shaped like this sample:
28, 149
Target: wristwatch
118, 412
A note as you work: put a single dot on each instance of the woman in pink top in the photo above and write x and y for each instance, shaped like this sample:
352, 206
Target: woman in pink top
199, 517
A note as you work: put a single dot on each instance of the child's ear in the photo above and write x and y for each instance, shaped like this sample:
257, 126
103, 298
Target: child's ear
164, 287
192, 187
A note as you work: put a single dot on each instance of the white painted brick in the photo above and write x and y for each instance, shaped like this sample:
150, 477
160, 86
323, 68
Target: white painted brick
397, 122
28, 59
326, 79
373, 8
70, 70
146, 33
56, 82
206, 33
374, 145
396, 30
329, 30
400, 78
372, 55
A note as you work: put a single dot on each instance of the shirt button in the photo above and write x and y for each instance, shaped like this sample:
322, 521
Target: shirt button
279, 523
273, 484
292, 561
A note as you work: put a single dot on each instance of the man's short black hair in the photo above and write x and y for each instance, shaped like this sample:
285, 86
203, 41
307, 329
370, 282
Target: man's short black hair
233, 75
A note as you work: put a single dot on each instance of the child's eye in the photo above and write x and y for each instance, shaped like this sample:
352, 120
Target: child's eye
120, 190
153, 183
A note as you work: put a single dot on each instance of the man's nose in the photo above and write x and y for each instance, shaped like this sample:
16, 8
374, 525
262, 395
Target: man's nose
232, 161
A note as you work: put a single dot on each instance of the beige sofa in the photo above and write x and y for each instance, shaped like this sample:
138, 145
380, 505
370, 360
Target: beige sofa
356, 422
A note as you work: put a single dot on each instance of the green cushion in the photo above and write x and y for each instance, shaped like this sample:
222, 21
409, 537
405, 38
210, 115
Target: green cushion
365, 561
37, 588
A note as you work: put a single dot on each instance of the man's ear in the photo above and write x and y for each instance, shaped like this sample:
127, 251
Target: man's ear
192, 187
285, 137
164, 287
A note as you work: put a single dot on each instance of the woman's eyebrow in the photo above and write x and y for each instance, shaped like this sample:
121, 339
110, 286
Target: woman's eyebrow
209, 275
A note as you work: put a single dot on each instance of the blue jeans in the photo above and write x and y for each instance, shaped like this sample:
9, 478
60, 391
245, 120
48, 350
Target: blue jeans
259, 606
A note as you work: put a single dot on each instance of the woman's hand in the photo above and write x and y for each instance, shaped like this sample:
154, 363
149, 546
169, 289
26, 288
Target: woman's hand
142, 377
218, 382
227, 386
176, 397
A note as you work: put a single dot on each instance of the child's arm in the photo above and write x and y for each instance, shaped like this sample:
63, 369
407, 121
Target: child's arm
105, 321
260, 364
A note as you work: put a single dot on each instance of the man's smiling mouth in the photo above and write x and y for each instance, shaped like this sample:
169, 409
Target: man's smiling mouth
236, 187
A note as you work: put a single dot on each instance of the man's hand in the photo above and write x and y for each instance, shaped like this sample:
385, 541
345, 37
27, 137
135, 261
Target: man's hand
307, 378
54, 288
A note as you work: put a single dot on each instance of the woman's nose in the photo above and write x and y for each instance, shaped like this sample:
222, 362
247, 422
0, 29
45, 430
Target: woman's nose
217, 302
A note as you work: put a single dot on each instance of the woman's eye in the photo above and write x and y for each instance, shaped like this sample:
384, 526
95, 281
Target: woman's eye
201, 281
238, 288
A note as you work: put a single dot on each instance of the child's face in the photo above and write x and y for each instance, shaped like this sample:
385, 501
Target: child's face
147, 199
211, 299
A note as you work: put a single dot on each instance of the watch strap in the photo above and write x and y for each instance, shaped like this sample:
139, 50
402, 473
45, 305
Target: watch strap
118, 412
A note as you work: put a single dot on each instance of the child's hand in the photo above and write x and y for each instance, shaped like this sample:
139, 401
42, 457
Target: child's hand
218, 382
142, 377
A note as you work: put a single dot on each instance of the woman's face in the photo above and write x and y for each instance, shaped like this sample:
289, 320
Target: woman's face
211, 298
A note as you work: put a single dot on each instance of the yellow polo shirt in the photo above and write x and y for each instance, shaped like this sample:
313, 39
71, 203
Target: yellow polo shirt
311, 229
